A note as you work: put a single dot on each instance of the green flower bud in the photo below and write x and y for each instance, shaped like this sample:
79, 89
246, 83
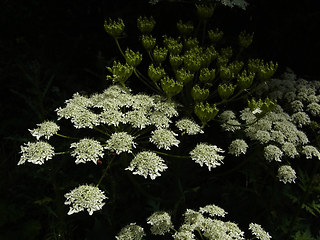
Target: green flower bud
184, 76
222, 61
207, 75
204, 11
172, 44
193, 60
199, 94
263, 70
215, 36
159, 54
114, 28
184, 28
205, 113
235, 67
171, 87
211, 51
133, 58
260, 106
245, 80
191, 43
226, 90
226, 52
120, 73
225, 73
148, 42
155, 74
145, 25
175, 61
245, 39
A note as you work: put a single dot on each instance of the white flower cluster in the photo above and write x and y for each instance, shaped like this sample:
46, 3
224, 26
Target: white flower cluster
147, 164
237, 147
131, 232
87, 150
258, 232
160, 223
206, 154
36, 152
85, 197
120, 142
231, 3
286, 174
46, 129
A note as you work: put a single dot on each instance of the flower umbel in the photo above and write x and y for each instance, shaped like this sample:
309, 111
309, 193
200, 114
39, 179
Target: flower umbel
161, 223
286, 174
120, 142
85, 197
147, 164
258, 231
164, 138
207, 154
87, 150
36, 152
131, 232
46, 129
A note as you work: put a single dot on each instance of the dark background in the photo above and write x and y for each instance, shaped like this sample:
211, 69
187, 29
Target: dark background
51, 49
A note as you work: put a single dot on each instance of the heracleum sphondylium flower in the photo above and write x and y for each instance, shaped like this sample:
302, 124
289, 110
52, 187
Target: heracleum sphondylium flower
188, 126
85, 197
164, 138
160, 223
87, 150
273, 153
289, 149
36, 152
131, 232
213, 210
183, 235
147, 164
286, 174
159, 120
120, 142
137, 118
206, 154
46, 129
310, 152
259, 232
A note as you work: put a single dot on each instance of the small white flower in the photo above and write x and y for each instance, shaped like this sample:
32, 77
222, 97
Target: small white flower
231, 125
46, 129
36, 152
227, 115
112, 117
258, 231
164, 138
87, 150
131, 232
205, 154
272, 152
147, 164
237, 147
297, 106
262, 136
159, 120
289, 149
286, 174
85, 197
142, 102
310, 151
183, 235
137, 118
120, 142
188, 126
301, 118
314, 109
161, 223
213, 210
167, 107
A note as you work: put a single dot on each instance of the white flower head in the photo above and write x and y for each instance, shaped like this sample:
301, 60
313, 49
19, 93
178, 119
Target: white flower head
137, 118
289, 150
112, 117
120, 142
161, 223
87, 150
205, 154
301, 118
36, 152
286, 174
147, 164
314, 109
213, 210
169, 108
258, 232
159, 120
231, 125
310, 152
131, 232
273, 153
46, 129
188, 126
183, 235
164, 138
85, 197
237, 147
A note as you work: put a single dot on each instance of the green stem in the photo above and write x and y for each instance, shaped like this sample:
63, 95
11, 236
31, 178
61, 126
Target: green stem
101, 131
171, 155
61, 153
63, 136
119, 47
105, 172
